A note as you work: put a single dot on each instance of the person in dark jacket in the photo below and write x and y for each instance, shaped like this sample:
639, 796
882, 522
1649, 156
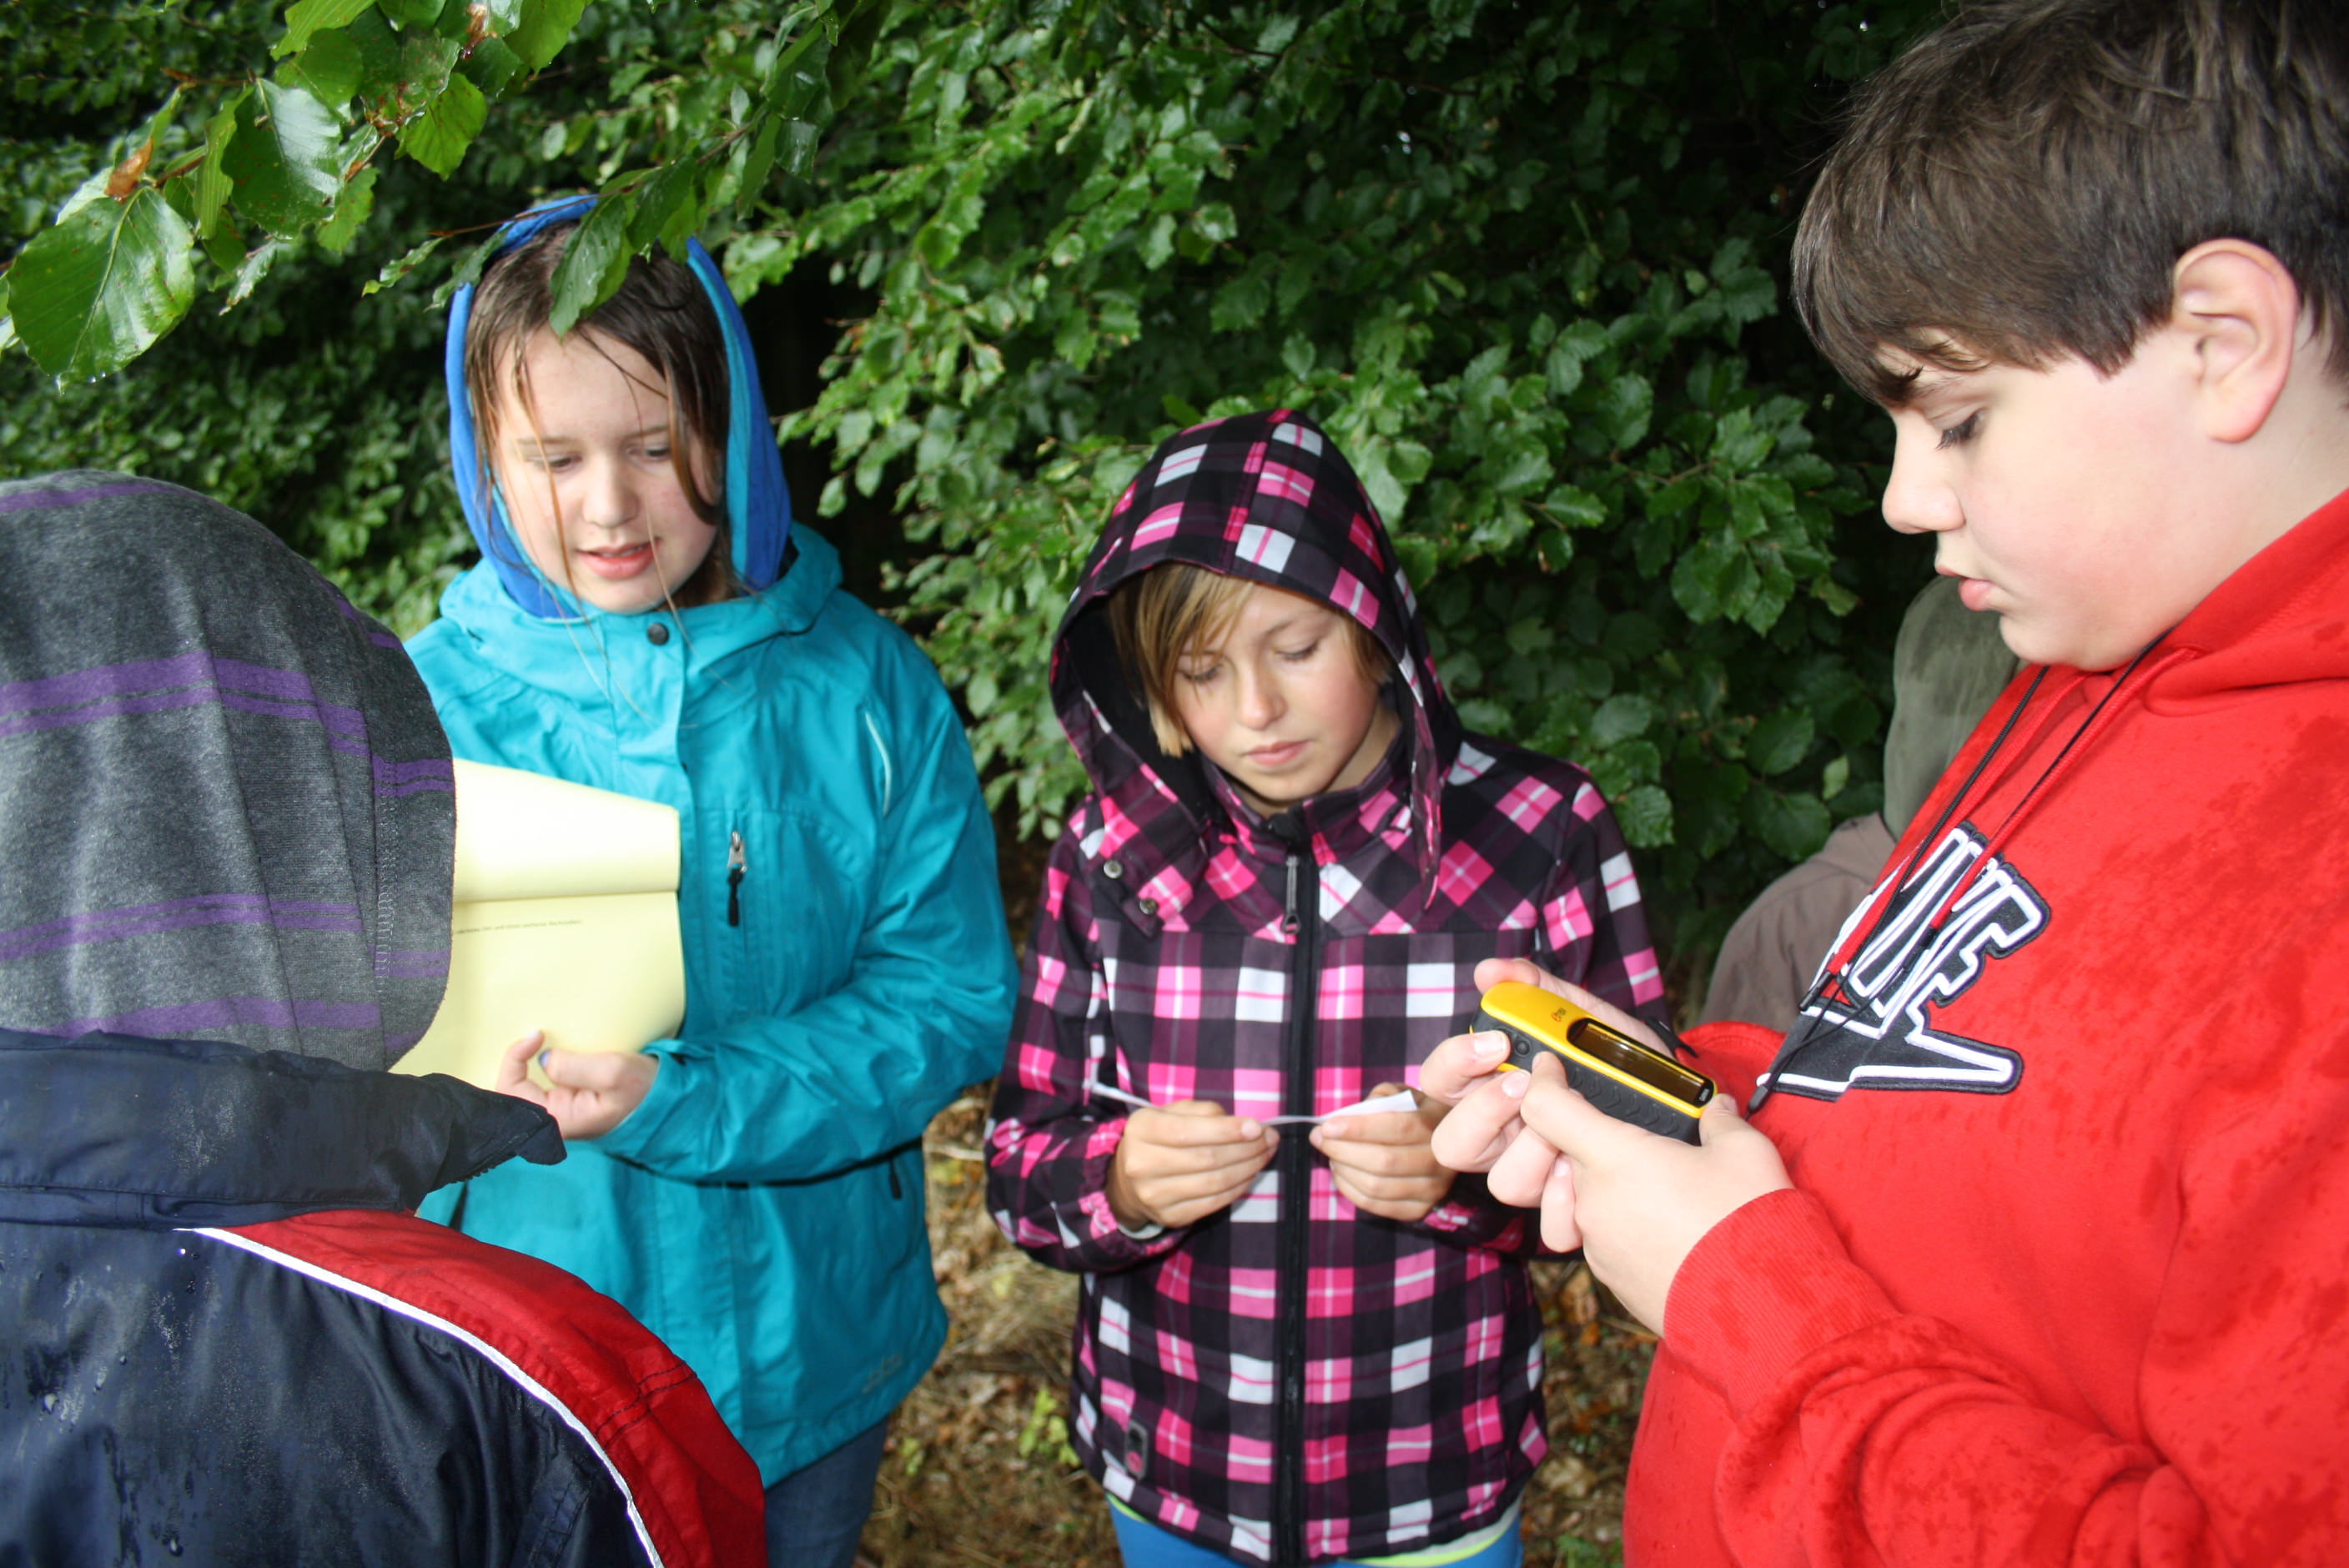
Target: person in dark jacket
226, 840
1295, 1343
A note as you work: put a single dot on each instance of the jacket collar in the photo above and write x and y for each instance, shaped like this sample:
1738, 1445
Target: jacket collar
110, 1130
573, 657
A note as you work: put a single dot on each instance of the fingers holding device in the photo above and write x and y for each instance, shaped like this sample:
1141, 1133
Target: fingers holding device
1626, 1078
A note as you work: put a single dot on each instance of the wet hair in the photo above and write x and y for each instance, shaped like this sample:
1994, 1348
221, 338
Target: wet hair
660, 312
2018, 186
1175, 608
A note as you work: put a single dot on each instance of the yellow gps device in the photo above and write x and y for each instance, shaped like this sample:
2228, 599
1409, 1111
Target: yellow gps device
1627, 1080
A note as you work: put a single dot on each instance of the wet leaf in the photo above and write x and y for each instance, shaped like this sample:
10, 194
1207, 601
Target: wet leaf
94, 293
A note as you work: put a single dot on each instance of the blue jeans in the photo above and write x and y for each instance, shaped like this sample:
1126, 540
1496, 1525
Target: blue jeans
1147, 1546
815, 1516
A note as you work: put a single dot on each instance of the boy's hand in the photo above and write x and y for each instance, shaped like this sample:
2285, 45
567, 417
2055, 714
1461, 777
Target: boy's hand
1383, 1164
593, 1091
1636, 1202
1483, 1130
1179, 1164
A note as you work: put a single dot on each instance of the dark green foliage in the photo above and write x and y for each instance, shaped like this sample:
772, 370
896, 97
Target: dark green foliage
1522, 257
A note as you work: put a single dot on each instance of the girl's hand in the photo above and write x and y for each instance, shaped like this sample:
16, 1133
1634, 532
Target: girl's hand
592, 1092
1382, 1164
1638, 1203
1179, 1164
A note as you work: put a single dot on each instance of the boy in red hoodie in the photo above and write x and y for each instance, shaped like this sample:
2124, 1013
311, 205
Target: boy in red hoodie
2033, 1250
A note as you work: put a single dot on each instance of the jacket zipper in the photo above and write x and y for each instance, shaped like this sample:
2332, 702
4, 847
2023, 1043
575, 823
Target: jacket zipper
737, 863
1295, 1167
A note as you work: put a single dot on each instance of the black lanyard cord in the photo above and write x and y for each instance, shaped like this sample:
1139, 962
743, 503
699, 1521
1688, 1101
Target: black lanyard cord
1812, 1028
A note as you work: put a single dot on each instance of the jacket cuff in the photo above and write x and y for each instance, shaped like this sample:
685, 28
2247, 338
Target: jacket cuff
1104, 1232
1471, 1216
638, 1137
1763, 1290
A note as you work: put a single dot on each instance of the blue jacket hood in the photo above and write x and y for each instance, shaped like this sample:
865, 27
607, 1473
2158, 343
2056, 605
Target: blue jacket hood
758, 503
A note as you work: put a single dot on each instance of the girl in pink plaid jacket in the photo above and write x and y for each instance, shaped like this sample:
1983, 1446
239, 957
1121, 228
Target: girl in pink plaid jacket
1295, 1344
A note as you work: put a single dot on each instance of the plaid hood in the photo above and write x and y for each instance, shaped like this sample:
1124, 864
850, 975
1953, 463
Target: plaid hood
1268, 497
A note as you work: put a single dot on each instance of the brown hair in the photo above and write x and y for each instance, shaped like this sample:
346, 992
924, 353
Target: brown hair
1175, 608
2020, 185
660, 312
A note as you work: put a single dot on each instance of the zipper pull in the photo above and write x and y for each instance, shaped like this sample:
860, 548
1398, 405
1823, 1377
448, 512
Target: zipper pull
1288, 922
737, 863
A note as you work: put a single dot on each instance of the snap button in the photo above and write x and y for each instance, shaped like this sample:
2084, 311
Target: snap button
657, 634
1150, 906
1113, 870
1137, 1450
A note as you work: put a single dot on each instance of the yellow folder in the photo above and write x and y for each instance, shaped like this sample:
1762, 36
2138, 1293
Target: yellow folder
565, 921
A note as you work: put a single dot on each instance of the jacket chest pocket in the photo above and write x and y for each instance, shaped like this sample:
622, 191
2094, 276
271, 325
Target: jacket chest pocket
781, 899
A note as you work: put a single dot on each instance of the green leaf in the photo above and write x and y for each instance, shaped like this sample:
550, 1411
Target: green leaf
758, 163
668, 208
1619, 718
351, 210
95, 292
1834, 776
595, 262
1574, 507
1627, 404
1240, 304
394, 271
1645, 815
212, 183
1158, 242
795, 87
795, 154
224, 244
1779, 741
1702, 579
413, 14
439, 137
7, 322
545, 29
383, 54
329, 69
256, 266
283, 160
492, 66
851, 51
307, 18
1793, 826
1527, 468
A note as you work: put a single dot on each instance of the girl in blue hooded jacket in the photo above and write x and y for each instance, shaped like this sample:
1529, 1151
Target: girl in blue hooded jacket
646, 619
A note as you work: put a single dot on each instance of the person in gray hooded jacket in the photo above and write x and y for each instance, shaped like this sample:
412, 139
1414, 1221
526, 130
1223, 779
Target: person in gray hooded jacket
226, 840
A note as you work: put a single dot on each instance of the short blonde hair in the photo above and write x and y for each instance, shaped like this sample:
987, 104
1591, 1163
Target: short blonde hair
1174, 608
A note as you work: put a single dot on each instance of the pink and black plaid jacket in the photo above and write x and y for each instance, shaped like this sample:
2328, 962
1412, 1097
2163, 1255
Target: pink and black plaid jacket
1290, 1380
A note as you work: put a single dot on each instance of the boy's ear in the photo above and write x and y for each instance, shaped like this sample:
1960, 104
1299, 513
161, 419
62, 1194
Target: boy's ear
2239, 311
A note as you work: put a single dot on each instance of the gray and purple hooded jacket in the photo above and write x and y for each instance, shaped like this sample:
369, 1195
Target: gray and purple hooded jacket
1290, 1381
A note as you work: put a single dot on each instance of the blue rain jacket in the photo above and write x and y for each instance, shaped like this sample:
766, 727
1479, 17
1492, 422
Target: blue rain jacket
762, 1212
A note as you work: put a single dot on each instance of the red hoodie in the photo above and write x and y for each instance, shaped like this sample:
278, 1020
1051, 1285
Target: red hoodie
2064, 1277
